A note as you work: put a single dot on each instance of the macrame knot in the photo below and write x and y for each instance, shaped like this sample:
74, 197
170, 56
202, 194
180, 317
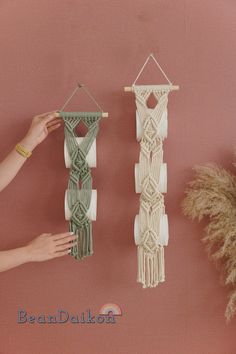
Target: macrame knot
150, 130
150, 241
73, 176
78, 159
150, 188
79, 211
85, 172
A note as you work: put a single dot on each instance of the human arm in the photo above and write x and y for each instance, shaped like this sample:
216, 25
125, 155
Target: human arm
42, 248
40, 127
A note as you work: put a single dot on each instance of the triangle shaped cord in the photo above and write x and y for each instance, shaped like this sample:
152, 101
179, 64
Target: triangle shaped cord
158, 65
83, 87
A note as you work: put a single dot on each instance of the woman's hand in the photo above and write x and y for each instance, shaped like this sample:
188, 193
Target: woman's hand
40, 127
42, 248
48, 246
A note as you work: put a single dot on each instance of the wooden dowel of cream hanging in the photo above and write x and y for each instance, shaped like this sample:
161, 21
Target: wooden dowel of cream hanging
104, 114
173, 87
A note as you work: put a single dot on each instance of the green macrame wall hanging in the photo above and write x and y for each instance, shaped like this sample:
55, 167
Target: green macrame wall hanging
151, 224
80, 156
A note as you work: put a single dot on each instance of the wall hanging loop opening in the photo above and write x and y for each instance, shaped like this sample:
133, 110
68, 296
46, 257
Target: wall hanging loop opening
158, 65
168, 86
83, 87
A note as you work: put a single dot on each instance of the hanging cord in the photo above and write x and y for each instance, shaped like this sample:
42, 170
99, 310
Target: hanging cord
81, 86
158, 65
68, 100
91, 96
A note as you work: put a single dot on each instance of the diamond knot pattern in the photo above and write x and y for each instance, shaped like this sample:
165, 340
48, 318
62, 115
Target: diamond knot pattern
149, 188
149, 241
150, 129
79, 213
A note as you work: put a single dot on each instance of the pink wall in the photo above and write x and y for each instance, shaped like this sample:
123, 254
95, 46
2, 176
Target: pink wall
46, 46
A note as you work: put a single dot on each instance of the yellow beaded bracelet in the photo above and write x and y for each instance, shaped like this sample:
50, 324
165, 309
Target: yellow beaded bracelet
22, 151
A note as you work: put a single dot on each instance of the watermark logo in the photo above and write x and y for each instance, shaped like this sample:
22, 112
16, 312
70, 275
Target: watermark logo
110, 308
107, 315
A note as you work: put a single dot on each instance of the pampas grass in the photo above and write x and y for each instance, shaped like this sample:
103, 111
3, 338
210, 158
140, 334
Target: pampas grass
213, 194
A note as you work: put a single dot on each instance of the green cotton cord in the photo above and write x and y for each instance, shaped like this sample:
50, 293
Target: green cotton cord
79, 199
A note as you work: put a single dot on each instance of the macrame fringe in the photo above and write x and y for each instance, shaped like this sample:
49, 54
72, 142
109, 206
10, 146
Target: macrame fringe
84, 246
151, 267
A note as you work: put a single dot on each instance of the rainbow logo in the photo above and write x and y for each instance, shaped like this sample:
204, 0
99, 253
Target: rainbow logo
110, 309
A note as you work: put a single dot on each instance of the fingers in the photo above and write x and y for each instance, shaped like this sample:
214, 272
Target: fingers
62, 253
55, 121
62, 235
64, 250
44, 119
54, 127
66, 246
43, 115
50, 117
64, 243
65, 240
54, 124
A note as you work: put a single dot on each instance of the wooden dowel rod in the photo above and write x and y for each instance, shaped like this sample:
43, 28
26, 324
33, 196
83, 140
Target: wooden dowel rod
172, 87
105, 114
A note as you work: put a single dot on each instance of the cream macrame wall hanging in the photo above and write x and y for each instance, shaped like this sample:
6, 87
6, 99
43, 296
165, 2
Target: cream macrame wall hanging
151, 224
80, 156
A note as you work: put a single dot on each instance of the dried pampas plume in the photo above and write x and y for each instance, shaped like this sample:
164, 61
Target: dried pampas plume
213, 194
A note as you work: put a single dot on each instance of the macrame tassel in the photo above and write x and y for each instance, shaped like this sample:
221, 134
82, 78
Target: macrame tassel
161, 264
84, 246
150, 267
